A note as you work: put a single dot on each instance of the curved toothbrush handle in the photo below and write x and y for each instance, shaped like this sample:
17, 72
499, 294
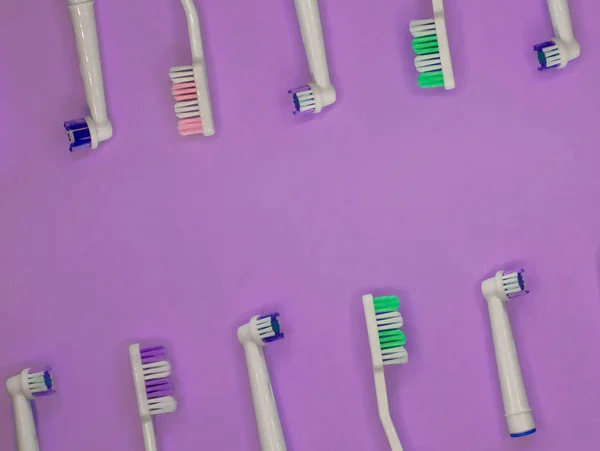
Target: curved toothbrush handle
24, 424
265, 408
561, 19
149, 438
516, 407
384, 411
312, 36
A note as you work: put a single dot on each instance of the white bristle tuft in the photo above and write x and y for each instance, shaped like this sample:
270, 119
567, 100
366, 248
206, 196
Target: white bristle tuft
394, 355
156, 370
306, 100
265, 328
166, 404
181, 74
552, 55
422, 27
37, 382
391, 320
428, 63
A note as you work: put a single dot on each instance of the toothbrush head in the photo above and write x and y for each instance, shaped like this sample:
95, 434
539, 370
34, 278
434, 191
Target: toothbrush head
79, 134
551, 55
304, 100
261, 330
433, 61
192, 107
31, 385
514, 284
505, 285
384, 321
151, 376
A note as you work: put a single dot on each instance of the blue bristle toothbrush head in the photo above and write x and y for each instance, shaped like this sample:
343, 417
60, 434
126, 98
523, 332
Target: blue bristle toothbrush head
269, 328
547, 58
304, 100
79, 135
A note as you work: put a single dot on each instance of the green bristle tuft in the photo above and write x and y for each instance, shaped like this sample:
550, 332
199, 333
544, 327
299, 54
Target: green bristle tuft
386, 304
391, 338
433, 79
424, 45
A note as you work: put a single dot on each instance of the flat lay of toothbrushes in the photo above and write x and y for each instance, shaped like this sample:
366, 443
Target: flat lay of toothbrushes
563, 47
498, 290
386, 341
190, 84
319, 93
253, 336
88, 132
24, 388
430, 43
153, 387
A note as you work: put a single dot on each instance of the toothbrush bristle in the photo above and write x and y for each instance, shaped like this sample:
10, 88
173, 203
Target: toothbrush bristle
304, 100
187, 108
428, 61
548, 54
514, 283
389, 321
40, 383
156, 372
269, 328
79, 134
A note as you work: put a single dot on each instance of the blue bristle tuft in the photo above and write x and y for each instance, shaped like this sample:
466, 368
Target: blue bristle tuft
79, 134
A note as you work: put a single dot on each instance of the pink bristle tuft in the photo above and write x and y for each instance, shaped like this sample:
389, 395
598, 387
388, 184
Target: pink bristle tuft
190, 126
184, 91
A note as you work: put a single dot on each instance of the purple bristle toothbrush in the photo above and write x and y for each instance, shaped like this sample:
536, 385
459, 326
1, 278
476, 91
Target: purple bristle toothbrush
153, 387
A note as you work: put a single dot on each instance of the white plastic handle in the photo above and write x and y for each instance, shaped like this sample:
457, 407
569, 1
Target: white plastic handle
265, 408
24, 424
516, 407
561, 19
149, 438
384, 412
86, 39
312, 36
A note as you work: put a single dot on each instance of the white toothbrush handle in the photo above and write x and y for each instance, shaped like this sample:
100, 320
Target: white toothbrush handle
516, 408
149, 438
384, 411
86, 39
193, 29
561, 19
265, 408
312, 36
24, 424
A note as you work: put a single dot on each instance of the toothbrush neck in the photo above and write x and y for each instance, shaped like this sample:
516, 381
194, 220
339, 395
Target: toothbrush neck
194, 30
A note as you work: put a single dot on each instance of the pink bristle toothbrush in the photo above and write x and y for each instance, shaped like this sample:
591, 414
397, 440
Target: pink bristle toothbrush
190, 85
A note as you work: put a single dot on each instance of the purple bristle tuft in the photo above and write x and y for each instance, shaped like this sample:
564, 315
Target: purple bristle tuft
153, 354
157, 388
299, 89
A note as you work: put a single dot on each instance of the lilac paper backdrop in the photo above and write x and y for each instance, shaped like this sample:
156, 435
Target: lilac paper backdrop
393, 190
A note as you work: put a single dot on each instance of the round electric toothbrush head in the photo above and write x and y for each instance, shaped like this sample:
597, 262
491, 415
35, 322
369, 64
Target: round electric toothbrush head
31, 385
556, 53
85, 133
505, 285
312, 98
261, 330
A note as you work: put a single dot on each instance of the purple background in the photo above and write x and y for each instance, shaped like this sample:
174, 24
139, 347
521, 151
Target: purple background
155, 237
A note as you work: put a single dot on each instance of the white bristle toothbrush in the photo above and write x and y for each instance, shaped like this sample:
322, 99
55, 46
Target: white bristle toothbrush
88, 132
430, 43
253, 336
153, 387
386, 341
557, 52
23, 388
498, 290
311, 98
190, 84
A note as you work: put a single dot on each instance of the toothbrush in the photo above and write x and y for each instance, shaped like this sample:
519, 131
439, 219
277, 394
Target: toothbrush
23, 388
311, 98
190, 84
88, 132
387, 347
430, 43
153, 388
498, 290
253, 336
557, 52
